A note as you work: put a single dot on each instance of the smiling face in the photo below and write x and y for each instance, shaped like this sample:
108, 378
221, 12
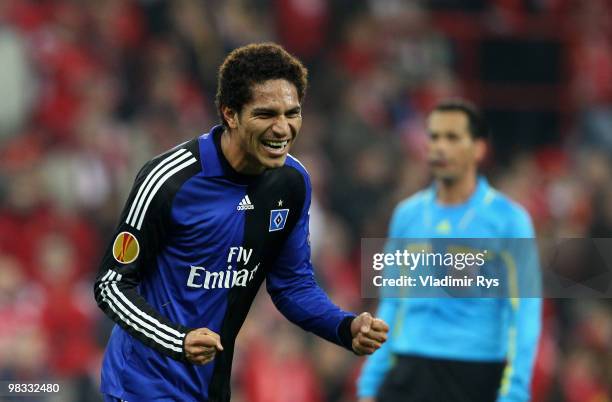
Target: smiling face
263, 131
453, 152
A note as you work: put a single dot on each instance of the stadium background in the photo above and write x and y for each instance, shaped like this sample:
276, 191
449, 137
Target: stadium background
92, 89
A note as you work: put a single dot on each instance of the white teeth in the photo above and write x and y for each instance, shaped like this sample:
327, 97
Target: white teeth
276, 144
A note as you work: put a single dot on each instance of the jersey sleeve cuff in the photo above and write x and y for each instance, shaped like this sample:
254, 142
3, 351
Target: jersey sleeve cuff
186, 330
344, 332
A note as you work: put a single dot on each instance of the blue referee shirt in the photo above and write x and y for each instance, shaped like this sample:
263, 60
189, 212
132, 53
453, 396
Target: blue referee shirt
465, 329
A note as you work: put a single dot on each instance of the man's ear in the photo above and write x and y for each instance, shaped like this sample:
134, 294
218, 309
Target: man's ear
230, 116
481, 150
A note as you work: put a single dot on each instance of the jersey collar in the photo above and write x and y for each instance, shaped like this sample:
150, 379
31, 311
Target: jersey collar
481, 190
214, 163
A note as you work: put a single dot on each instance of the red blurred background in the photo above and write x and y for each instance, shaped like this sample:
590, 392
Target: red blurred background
91, 90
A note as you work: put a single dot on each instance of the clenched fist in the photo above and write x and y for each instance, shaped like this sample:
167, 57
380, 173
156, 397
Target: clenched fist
368, 333
201, 345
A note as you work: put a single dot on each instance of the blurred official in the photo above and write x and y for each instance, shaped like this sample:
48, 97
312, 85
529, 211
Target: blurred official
458, 349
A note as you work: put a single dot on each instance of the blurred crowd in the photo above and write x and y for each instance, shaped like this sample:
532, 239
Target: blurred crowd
93, 89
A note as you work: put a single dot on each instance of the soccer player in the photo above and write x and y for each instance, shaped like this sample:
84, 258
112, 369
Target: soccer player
203, 226
457, 349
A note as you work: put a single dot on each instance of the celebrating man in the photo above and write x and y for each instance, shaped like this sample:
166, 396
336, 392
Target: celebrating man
203, 226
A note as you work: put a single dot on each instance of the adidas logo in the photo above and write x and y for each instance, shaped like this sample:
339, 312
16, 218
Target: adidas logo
245, 204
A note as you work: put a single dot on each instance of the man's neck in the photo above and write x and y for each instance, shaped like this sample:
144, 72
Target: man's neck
456, 191
235, 155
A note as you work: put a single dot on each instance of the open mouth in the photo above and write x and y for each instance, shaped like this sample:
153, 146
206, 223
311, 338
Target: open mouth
274, 145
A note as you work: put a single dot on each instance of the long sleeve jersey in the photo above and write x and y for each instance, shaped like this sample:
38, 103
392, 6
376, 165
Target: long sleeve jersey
195, 241
466, 329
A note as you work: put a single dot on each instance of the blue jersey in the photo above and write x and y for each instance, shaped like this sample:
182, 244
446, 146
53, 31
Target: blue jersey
195, 241
465, 329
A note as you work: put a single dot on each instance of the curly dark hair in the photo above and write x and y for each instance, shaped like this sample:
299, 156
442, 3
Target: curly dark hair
254, 64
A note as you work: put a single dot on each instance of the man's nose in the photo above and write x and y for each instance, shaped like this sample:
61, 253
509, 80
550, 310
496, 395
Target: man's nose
435, 146
281, 126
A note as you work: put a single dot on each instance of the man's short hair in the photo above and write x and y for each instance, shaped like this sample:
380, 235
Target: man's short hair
254, 64
477, 126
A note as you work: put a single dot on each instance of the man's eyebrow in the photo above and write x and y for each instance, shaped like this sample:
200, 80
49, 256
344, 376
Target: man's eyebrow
447, 132
269, 110
258, 110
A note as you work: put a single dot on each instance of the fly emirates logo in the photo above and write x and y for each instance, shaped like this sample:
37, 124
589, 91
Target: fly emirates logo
200, 277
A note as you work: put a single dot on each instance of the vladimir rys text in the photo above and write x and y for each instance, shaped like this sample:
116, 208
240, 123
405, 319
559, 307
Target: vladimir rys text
434, 269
